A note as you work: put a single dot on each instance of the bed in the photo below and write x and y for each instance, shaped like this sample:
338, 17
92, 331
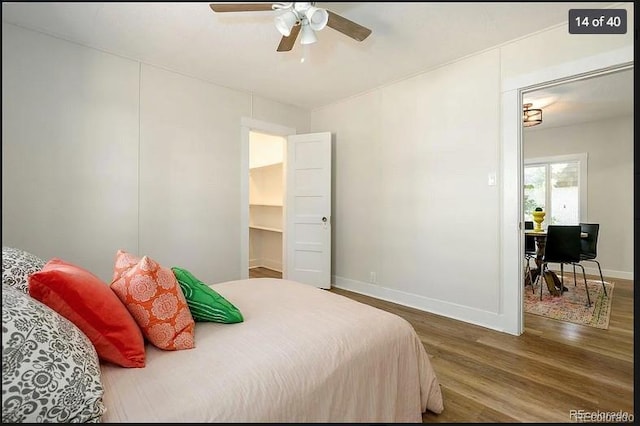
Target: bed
302, 354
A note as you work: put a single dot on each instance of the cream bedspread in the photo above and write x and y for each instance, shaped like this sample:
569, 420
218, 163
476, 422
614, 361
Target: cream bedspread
301, 355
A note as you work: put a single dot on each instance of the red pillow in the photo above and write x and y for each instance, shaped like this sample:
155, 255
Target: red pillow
93, 307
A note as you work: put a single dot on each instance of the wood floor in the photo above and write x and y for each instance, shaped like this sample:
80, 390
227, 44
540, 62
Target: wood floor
552, 368
261, 272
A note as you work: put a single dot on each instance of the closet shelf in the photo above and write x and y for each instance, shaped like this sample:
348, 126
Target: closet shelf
265, 228
265, 205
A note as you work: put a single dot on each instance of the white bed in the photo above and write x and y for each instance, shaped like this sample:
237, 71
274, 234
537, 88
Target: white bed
301, 355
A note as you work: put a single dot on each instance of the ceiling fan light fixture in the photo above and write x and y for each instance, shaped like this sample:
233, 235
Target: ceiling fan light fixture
285, 22
307, 35
296, 20
317, 18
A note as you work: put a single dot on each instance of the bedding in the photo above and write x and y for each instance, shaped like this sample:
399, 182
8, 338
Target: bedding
50, 368
17, 265
301, 355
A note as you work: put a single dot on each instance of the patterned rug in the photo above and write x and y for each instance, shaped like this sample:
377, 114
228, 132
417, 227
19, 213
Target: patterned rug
572, 305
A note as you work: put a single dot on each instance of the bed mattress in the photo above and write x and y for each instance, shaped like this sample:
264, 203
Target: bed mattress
302, 354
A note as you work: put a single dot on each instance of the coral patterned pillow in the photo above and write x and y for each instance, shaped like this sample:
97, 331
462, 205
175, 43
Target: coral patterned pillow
154, 298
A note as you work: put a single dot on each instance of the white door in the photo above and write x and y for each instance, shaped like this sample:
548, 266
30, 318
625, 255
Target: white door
308, 209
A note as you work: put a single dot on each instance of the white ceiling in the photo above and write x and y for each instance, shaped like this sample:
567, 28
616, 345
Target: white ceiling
591, 99
238, 49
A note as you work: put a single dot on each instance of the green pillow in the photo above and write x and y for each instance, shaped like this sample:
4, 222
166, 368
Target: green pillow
204, 303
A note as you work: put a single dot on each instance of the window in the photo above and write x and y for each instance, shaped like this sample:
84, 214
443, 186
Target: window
559, 185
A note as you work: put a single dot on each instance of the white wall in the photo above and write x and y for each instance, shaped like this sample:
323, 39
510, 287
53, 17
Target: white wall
265, 149
609, 146
550, 48
101, 153
189, 181
69, 150
266, 184
412, 201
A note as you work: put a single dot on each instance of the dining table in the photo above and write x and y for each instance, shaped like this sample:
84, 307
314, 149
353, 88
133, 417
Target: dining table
541, 239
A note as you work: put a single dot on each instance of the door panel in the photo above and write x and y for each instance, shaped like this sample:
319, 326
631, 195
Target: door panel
308, 209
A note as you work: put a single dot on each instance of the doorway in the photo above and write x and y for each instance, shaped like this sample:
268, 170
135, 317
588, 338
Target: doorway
577, 164
247, 127
266, 205
512, 234
306, 203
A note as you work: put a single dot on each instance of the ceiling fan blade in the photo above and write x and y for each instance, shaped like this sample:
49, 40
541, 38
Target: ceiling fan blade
240, 7
286, 43
347, 27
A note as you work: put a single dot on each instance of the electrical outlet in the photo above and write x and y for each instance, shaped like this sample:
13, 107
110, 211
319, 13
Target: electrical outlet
372, 278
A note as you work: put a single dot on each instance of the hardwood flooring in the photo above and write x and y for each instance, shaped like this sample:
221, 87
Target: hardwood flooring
261, 272
542, 375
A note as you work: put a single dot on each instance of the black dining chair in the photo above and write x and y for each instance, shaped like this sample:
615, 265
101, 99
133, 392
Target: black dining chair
530, 252
589, 247
563, 247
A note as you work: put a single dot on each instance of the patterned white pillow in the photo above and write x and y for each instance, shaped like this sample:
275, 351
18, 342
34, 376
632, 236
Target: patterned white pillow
17, 265
50, 369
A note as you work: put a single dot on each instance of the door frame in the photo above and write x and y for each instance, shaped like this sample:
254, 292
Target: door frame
247, 125
512, 247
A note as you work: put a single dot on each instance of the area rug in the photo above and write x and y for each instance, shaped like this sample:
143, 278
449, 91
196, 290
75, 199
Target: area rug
572, 305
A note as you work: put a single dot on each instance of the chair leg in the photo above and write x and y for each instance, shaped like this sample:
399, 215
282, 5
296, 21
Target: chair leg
535, 282
533, 290
541, 276
527, 271
601, 278
561, 279
574, 275
585, 285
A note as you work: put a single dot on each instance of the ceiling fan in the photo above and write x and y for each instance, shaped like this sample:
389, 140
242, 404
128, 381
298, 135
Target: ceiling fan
299, 18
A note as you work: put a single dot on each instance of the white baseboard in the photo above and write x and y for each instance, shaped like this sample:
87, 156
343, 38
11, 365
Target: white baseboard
272, 264
479, 317
607, 273
266, 263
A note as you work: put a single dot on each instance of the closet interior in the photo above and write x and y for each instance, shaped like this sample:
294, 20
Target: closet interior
266, 203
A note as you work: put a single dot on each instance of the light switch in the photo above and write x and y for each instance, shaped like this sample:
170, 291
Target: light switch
491, 181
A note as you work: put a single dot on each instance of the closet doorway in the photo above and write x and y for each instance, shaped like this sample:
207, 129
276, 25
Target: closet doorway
302, 217
266, 205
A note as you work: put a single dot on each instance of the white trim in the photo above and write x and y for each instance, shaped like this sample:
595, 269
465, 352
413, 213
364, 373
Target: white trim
512, 237
272, 264
266, 263
583, 181
246, 126
578, 69
512, 253
479, 317
593, 271
266, 127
